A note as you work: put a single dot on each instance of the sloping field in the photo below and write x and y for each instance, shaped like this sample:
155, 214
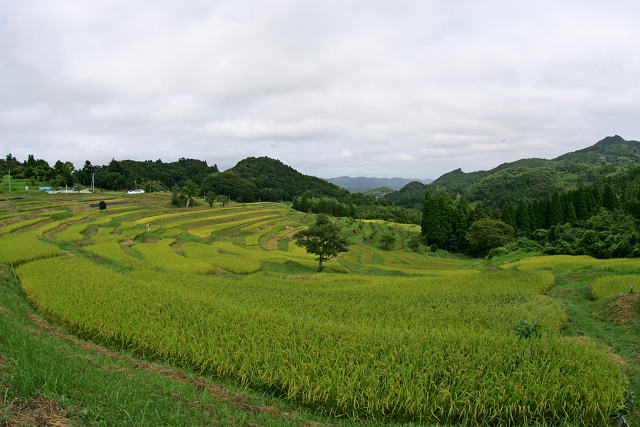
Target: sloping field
569, 262
114, 252
20, 225
208, 229
211, 255
162, 255
387, 335
437, 350
613, 285
20, 247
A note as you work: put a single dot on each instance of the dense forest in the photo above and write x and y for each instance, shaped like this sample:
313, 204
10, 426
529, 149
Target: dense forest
118, 175
263, 178
600, 220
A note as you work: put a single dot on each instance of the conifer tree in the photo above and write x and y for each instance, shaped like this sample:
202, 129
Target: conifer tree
608, 198
509, 214
580, 203
436, 219
523, 224
570, 214
555, 210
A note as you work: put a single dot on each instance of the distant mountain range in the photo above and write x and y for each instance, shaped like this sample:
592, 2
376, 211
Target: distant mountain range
363, 184
531, 178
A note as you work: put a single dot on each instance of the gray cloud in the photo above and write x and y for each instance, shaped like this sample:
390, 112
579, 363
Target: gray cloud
410, 88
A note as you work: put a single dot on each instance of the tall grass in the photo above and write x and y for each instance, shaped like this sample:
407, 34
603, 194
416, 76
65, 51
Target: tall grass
434, 350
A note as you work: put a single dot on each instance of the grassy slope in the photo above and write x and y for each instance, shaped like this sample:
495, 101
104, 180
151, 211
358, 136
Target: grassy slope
48, 376
602, 322
39, 365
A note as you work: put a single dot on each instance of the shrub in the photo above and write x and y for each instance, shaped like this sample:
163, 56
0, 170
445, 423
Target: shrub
102, 205
524, 329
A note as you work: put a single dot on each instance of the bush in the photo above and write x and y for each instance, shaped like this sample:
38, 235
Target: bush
102, 205
524, 329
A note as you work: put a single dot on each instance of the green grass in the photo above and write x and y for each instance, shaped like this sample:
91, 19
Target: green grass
206, 231
608, 323
161, 255
396, 336
210, 255
21, 224
614, 284
21, 247
92, 386
378, 361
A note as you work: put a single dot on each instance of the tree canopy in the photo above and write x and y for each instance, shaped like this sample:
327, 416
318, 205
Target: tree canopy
322, 239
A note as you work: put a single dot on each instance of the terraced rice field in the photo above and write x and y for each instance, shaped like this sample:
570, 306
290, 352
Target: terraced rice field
390, 335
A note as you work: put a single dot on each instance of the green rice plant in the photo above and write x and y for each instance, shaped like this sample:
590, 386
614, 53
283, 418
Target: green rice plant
107, 216
11, 215
206, 231
161, 255
106, 234
257, 225
114, 252
52, 213
218, 215
254, 238
570, 262
21, 224
291, 230
73, 233
606, 286
154, 218
30, 208
210, 255
172, 232
20, 247
51, 226
428, 350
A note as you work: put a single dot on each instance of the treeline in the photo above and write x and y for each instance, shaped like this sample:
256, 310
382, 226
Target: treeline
149, 175
60, 174
357, 205
600, 220
446, 222
117, 175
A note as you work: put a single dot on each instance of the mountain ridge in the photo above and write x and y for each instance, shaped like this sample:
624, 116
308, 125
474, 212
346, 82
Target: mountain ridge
363, 184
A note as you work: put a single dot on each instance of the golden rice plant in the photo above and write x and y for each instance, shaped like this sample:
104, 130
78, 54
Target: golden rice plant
422, 349
613, 285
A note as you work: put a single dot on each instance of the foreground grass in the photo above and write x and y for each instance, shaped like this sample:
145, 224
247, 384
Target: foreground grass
613, 323
49, 377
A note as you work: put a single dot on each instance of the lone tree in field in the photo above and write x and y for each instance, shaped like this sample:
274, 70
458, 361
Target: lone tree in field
322, 239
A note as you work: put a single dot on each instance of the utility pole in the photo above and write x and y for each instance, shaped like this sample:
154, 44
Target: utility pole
92, 181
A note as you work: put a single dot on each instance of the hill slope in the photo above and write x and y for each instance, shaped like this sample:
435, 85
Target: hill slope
533, 178
265, 178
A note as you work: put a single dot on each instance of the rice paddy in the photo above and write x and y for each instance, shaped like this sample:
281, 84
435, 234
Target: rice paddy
388, 335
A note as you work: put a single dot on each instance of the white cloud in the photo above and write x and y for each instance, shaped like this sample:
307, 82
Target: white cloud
410, 88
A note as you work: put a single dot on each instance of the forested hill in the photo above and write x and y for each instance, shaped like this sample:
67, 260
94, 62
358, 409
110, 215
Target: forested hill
117, 175
268, 179
151, 175
533, 178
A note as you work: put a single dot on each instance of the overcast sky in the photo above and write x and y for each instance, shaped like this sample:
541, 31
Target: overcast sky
373, 88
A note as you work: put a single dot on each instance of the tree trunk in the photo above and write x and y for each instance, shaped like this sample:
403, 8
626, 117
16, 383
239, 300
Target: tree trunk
319, 264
